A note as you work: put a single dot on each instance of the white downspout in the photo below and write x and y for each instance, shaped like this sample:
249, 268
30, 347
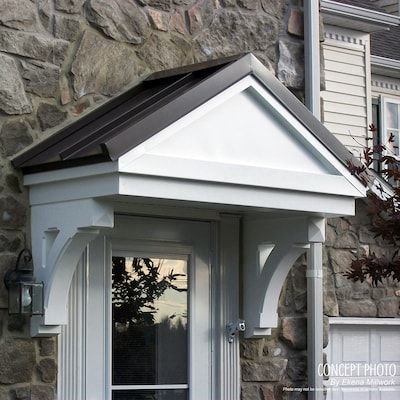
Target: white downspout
314, 269
315, 321
312, 56
312, 78
315, 311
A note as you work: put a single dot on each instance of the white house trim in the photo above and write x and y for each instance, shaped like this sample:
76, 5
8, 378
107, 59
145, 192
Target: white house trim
363, 321
359, 18
385, 66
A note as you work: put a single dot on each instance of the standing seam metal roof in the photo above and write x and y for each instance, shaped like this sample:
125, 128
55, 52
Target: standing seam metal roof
133, 117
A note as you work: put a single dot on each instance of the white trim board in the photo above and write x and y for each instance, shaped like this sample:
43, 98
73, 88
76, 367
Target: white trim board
363, 321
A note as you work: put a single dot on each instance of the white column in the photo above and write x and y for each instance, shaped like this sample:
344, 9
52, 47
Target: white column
315, 320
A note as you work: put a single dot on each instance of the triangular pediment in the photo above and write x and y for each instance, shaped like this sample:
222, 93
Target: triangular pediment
242, 136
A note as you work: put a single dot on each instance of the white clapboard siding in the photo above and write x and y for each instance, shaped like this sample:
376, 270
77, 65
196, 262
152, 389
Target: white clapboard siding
345, 98
338, 66
347, 130
345, 56
345, 77
339, 118
351, 141
342, 108
344, 88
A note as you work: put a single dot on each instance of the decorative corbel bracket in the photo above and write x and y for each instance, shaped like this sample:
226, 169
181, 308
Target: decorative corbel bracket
271, 247
60, 234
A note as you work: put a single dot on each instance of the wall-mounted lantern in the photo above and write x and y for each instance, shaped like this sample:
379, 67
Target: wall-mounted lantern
25, 296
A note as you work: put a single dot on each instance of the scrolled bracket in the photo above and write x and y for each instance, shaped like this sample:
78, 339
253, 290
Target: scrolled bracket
271, 247
61, 233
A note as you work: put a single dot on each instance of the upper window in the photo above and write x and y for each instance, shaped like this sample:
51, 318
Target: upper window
390, 125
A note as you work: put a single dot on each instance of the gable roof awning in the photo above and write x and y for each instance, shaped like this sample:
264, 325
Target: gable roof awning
202, 140
133, 117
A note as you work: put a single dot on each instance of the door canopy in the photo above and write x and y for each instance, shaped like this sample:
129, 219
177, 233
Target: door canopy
225, 135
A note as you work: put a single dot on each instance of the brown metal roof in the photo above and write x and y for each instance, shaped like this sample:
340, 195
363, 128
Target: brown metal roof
161, 99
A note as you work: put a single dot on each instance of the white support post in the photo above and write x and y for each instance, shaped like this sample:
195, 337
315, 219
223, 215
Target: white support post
315, 321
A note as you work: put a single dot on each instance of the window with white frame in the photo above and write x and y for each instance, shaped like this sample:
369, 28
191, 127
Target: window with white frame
390, 125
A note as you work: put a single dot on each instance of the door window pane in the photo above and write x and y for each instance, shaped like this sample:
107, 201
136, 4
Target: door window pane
149, 325
172, 394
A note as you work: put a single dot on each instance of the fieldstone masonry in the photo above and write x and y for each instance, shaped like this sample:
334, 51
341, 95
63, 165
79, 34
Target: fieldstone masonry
281, 360
62, 58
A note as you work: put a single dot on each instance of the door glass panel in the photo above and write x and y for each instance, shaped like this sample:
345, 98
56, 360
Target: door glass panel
173, 394
149, 326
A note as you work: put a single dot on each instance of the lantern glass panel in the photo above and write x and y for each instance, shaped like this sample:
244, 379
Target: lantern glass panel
26, 298
14, 298
37, 299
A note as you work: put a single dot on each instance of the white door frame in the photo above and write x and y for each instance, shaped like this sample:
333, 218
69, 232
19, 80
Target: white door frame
217, 245
164, 237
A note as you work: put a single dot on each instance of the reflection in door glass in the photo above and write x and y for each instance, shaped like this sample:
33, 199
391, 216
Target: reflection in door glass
180, 394
149, 326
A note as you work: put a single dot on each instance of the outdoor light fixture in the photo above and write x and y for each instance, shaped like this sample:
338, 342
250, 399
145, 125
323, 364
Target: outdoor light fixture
25, 296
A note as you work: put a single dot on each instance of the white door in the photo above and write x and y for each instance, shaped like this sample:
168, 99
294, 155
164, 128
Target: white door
364, 362
147, 319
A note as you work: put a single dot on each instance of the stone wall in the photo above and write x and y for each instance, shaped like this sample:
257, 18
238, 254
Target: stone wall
281, 359
346, 239
62, 58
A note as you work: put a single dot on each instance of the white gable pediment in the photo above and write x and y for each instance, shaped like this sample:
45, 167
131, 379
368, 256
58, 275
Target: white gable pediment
242, 136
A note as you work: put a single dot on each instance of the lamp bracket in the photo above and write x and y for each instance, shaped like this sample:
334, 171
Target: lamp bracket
23, 271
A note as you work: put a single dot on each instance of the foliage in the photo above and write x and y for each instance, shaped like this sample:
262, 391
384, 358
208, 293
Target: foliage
383, 210
134, 292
